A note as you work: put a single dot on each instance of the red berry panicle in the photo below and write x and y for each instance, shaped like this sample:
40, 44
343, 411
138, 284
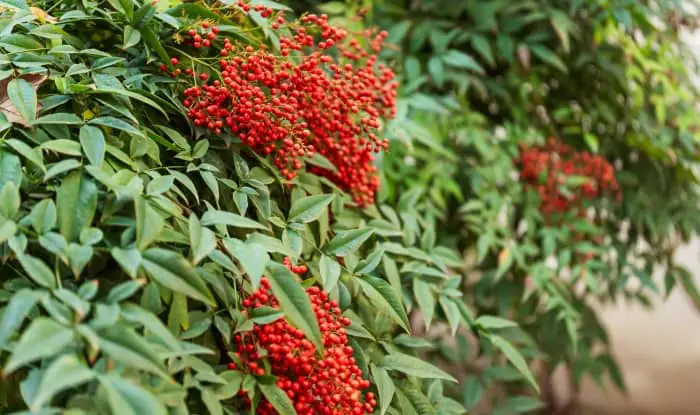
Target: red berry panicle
329, 385
323, 92
546, 169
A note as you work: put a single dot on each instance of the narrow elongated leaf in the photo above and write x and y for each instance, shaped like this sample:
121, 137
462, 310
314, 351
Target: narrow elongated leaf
220, 217
294, 302
173, 271
128, 259
307, 209
330, 272
149, 223
64, 373
58, 118
202, 240
515, 358
385, 387
348, 242
124, 345
43, 338
76, 201
494, 322
277, 398
425, 297
413, 366
384, 297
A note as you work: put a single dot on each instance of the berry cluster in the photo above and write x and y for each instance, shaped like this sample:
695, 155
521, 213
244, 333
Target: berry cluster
546, 169
322, 93
329, 385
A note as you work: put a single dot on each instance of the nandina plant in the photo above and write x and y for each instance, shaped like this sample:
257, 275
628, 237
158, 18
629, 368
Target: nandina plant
153, 172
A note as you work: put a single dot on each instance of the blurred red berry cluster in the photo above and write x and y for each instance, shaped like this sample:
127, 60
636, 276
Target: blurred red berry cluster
323, 92
328, 385
548, 169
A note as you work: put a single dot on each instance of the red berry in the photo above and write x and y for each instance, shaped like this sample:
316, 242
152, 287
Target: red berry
203, 76
174, 61
205, 24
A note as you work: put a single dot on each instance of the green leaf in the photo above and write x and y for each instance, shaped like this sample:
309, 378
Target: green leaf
152, 323
345, 243
494, 322
482, 45
149, 223
64, 373
62, 146
63, 118
202, 240
220, 217
43, 338
76, 201
252, 256
308, 209
93, 143
384, 296
61, 167
23, 97
462, 60
294, 302
277, 398
549, 57
515, 358
126, 398
37, 270
7, 230
10, 169
330, 272
9, 200
131, 37
472, 392
13, 315
385, 387
211, 402
27, 152
116, 123
125, 346
413, 366
128, 259
173, 271
425, 297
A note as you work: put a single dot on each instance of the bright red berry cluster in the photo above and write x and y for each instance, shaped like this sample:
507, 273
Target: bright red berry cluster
322, 93
328, 385
546, 169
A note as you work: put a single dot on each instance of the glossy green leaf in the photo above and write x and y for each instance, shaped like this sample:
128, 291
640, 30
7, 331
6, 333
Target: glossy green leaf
42, 339
294, 302
76, 202
413, 366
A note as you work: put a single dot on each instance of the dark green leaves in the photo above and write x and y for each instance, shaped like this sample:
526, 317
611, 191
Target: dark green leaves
220, 217
294, 302
174, 272
76, 201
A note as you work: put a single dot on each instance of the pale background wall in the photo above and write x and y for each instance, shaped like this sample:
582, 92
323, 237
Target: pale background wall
659, 351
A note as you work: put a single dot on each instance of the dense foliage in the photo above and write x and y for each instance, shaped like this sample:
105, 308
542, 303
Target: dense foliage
198, 214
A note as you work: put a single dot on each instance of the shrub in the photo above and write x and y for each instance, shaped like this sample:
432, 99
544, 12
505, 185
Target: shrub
167, 173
